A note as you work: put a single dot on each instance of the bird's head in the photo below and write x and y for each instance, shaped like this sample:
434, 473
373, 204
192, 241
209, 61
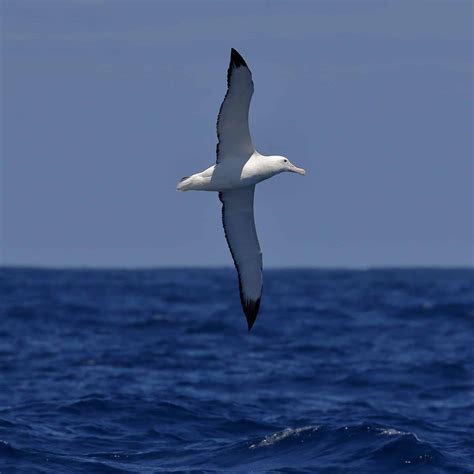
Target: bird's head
280, 163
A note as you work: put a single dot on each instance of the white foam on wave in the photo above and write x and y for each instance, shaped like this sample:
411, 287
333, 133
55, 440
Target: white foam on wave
391, 432
394, 432
280, 435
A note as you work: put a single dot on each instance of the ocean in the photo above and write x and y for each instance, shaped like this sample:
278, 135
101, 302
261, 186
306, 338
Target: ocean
149, 371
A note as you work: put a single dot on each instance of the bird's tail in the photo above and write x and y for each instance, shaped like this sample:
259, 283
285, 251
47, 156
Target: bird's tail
183, 184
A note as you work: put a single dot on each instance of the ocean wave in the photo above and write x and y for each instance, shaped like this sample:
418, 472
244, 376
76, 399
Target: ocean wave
154, 371
281, 435
314, 447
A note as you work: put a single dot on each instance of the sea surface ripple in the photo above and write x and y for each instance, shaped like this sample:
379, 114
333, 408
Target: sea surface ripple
108, 371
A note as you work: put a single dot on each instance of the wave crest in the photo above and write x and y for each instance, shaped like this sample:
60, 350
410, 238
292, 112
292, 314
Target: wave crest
281, 435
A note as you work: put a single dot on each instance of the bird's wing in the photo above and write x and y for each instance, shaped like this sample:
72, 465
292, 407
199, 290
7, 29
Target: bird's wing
241, 236
233, 133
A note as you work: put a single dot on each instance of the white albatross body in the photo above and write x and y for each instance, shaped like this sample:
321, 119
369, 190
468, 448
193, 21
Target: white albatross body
239, 167
237, 173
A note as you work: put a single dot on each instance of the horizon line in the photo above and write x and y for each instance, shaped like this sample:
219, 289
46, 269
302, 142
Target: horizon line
231, 267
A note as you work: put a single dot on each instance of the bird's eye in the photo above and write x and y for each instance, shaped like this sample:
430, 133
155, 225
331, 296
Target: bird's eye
285, 161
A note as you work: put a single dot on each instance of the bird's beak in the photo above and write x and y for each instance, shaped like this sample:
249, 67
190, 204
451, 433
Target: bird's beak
295, 169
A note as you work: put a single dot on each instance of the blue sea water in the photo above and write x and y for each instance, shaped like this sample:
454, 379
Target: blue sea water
154, 371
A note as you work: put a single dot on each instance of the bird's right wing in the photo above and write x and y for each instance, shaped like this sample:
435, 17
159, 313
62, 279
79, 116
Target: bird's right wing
241, 236
233, 119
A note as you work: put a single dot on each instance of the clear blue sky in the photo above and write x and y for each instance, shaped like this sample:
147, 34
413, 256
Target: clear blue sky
106, 104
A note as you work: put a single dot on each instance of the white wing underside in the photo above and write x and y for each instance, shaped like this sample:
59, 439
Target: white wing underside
232, 122
241, 236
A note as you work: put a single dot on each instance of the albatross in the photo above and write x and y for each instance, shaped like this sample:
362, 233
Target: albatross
239, 167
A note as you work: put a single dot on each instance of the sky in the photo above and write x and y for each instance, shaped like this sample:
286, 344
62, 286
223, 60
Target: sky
105, 105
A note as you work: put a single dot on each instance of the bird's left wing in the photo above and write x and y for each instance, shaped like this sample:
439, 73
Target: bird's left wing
241, 236
233, 119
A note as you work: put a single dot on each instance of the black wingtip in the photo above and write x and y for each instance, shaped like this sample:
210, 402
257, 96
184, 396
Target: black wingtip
251, 310
236, 59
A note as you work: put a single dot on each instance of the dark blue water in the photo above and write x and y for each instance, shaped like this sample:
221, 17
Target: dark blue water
154, 371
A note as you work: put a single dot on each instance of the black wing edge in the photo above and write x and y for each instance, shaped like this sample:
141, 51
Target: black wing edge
236, 61
236, 58
250, 307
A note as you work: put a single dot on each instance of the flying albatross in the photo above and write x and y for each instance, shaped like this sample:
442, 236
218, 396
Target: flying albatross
239, 167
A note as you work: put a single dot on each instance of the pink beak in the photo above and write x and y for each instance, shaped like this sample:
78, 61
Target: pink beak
295, 169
